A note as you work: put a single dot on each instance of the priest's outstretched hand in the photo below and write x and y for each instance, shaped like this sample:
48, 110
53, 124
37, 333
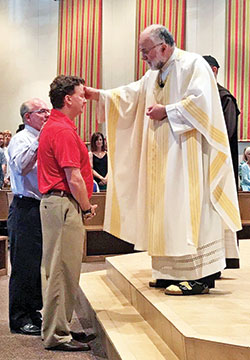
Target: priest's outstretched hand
91, 93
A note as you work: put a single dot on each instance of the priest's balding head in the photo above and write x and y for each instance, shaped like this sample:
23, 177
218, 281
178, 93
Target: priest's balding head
156, 45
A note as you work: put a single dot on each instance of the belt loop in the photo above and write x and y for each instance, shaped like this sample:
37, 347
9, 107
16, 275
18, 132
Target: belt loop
61, 193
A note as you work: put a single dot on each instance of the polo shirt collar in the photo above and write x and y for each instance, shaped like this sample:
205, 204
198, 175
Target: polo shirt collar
57, 115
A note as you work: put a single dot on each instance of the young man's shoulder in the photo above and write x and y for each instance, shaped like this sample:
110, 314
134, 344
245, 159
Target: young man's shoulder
53, 128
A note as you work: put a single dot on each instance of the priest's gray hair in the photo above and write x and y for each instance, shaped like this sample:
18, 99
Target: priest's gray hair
162, 33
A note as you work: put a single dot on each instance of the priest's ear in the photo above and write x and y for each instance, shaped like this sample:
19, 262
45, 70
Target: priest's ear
164, 47
166, 50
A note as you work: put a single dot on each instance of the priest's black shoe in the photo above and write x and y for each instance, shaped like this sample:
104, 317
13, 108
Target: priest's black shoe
73, 345
162, 283
27, 329
82, 337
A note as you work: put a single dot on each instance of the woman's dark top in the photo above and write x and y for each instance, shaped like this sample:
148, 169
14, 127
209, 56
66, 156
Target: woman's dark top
100, 165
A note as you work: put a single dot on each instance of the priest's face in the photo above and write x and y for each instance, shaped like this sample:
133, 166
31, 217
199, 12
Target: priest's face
152, 51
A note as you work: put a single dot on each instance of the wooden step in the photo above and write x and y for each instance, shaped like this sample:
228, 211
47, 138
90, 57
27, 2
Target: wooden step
126, 335
194, 327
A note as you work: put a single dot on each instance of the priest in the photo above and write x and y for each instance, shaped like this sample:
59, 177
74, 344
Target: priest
171, 187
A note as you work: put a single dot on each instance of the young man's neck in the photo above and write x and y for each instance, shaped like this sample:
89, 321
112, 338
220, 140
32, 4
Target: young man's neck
67, 112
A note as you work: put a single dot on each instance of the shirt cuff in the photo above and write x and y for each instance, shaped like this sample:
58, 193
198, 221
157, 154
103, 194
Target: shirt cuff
179, 124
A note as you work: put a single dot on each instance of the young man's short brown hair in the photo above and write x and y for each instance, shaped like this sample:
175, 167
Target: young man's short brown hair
61, 86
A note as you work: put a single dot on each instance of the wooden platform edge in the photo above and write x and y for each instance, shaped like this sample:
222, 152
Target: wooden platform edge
124, 333
184, 342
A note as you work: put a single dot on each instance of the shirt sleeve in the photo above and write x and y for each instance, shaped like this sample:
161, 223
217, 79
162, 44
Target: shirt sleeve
22, 153
127, 96
66, 149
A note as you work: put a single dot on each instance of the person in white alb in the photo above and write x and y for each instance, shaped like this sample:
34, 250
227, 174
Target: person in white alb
24, 225
171, 186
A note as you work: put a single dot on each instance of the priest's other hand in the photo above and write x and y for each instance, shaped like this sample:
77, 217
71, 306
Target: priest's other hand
91, 93
156, 112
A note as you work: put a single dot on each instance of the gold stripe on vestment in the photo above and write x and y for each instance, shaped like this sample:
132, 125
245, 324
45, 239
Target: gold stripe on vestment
113, 116
158, 143
203, 119
157, 162
216, 165
227, 206
194, 184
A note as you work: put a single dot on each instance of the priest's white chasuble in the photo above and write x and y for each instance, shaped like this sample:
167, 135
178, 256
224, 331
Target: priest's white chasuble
171, 188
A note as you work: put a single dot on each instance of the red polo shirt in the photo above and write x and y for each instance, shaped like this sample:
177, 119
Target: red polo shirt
60, 146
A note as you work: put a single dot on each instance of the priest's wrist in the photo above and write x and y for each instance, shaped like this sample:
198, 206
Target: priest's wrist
165, 115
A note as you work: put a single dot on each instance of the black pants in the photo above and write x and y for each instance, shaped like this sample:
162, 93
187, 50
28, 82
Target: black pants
24, 229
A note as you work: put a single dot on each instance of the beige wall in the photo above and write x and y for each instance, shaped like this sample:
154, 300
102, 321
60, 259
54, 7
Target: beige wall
205, 30
28, 56
205, 34
118, 42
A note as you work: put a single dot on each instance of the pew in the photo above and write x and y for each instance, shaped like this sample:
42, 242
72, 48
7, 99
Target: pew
10, 196
97, 243
244, 205
4, 209
4, 205
94, 225
3, 255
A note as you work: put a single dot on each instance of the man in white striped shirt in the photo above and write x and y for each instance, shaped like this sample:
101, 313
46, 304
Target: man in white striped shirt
24, 225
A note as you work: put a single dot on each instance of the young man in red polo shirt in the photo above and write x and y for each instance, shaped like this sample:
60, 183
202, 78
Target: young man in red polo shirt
66, 182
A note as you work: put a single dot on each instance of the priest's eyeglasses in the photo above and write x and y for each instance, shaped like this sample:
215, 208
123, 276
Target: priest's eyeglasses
146, 52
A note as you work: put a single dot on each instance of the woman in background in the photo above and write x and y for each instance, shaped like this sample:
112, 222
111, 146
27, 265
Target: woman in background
245, 170
99, 160
1, 140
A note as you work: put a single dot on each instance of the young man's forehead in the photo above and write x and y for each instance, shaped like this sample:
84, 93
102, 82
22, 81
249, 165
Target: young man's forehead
79, 89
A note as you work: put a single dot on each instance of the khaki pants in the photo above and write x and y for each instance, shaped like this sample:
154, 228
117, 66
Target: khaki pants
63, 234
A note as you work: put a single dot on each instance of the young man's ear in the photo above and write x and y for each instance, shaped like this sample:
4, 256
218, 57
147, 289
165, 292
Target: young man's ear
67, 100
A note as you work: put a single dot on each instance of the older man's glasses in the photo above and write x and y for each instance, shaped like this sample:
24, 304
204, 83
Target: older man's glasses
146, 52
40, 111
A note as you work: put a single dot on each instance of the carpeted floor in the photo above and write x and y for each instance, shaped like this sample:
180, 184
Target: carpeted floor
21, 347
